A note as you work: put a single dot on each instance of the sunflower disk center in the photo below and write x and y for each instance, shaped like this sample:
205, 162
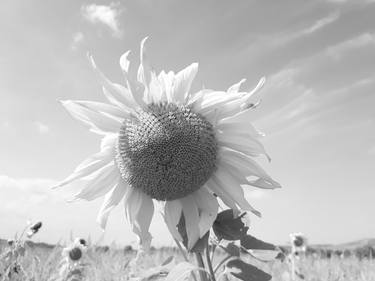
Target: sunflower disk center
168, 151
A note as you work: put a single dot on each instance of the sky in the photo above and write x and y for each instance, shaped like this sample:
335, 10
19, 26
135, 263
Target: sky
317, 107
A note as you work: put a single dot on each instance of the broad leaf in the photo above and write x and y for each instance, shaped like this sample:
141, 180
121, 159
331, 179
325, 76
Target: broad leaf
182, 271
231, 249
250, 242
229, 227
259, 249
246, 272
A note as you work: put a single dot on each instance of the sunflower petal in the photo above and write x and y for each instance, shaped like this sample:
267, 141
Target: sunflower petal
191, 215
182, 83
236, 87
245, 144
232, 187
111, 200
225, 198
172, 215
111, 110
208, 208
139, 209
99, 122
88, 166
99, 182
247, 166
115, 93
124, 62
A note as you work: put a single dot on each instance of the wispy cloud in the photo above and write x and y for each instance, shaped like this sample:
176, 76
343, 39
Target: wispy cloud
23, 192
319, 24
107, 15
362, 40
41, 127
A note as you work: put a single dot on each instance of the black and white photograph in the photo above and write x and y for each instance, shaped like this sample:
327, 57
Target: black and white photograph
187, 140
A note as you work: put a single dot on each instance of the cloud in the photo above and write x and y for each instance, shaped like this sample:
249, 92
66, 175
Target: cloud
41, 127
319, 24
27, 193
78, 38
360, 41
107, 15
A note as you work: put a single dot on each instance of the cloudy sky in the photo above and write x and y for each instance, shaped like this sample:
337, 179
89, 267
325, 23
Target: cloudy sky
317, 107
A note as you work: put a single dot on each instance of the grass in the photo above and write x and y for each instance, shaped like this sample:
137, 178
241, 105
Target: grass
47, 264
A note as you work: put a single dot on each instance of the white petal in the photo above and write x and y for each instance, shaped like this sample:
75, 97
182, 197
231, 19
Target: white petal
89, 165
182, 83
111, 200
208, 207
225, 197
115, 93
240, 123
144, 70
139, 209
99, 183
236, 87
262, 183
232, 187
191, 215
242, 162
245, 144
250, 94
111, 110
124, 62
99, 122
172, 215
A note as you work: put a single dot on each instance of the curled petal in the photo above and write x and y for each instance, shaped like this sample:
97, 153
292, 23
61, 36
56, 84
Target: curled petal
99, 122
224, 180
139, 209
182, 83
99, 183
115, 93
172, 215
208, 208
111, 200
236, 87
191, 215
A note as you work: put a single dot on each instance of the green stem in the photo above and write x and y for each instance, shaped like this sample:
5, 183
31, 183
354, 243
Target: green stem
209, 263
213, 252
222, 262
202, 274
185, 256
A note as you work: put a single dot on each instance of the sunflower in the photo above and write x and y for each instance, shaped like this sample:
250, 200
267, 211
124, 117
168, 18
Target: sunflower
74, 252
162, 143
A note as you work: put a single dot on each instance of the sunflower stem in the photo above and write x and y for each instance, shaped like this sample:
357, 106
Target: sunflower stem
184, 255
209, 263
222, 262
213, 252
202, 273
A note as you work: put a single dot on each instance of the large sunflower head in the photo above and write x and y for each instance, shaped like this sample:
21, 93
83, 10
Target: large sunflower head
162, 142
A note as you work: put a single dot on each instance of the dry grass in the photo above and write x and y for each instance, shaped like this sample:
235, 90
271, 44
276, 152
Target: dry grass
45, 264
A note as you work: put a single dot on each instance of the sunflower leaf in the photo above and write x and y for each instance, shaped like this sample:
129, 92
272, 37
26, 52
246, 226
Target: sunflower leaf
245, 271
250, 242
182, 271
231, 249
229, 227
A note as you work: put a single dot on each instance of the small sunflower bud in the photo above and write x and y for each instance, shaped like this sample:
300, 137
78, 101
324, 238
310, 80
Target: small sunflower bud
75, 254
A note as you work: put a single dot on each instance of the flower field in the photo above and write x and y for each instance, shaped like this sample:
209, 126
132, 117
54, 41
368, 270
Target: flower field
43, 262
